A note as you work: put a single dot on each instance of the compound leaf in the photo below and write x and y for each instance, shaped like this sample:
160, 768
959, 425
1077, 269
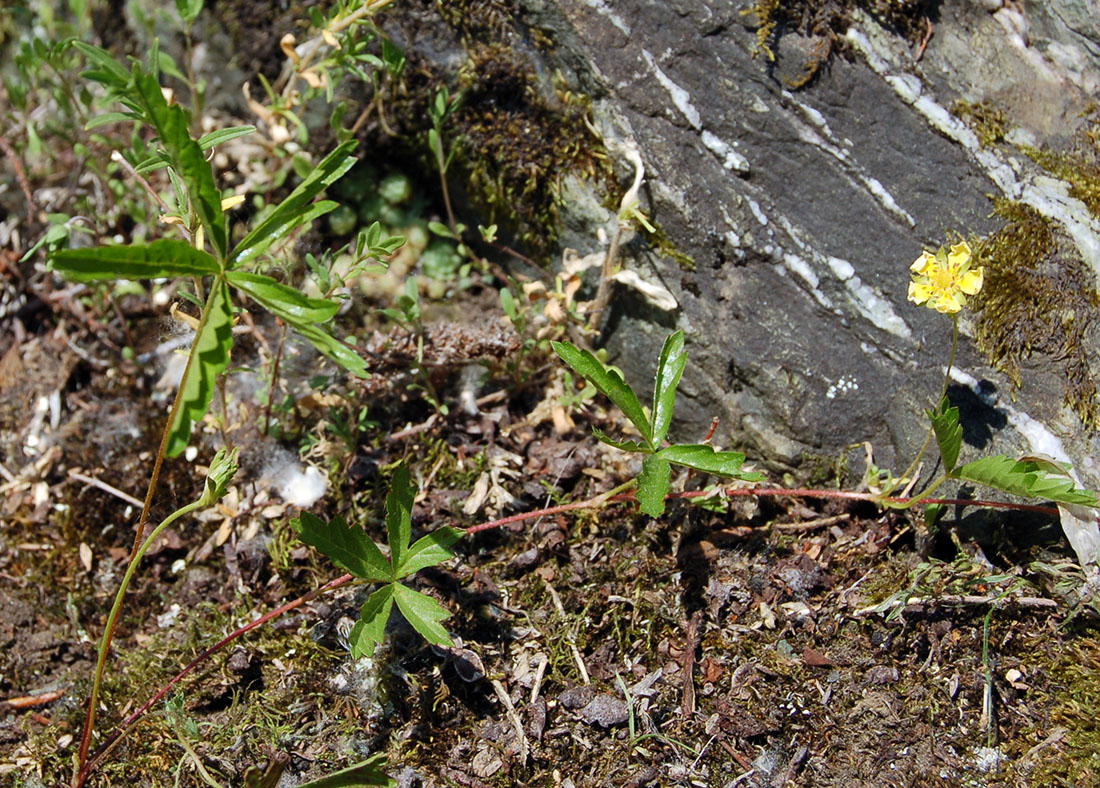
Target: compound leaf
370, 629
208, 358
945, 425
1025, 478
349, 547
288, 214
608, 382
670, 368
653, 483
165, 258
424, 613
172, 125
283, 301
429, 550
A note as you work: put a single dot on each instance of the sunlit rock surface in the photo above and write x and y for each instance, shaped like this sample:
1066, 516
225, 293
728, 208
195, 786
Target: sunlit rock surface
803, 209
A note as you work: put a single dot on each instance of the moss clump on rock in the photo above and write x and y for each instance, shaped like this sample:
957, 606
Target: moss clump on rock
1037, 298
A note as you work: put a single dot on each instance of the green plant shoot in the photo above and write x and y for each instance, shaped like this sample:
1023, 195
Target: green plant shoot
654, 481
350, 548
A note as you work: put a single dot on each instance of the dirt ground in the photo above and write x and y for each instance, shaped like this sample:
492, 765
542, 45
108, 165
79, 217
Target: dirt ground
758, 641
710, 648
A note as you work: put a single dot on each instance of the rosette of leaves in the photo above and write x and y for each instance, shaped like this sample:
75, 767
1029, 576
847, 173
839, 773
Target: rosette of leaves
350, 548
223, 268
653, 483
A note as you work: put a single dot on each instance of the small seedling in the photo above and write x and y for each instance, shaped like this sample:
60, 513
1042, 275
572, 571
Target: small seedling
654, 481
351, 549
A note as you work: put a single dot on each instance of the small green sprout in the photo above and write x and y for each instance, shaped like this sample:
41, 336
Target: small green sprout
351, 549
654, 481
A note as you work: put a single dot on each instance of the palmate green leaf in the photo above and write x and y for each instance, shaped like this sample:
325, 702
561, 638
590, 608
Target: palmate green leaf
670, 368
349, 547
603, 437
424, 613
283, 301
287, 215
173, 127
209, 357
703, 457
165, 258
1026, 478
364, 773
608, 383
429, 550
945, 425
370, 629
653, 483
399, 503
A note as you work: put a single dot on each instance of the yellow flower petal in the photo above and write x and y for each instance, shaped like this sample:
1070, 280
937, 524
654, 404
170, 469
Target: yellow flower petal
919, 292
920, 265
971, 282
200, 238
232, 202
959, 255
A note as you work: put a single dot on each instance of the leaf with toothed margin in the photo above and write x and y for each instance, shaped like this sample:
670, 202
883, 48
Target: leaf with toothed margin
208, 358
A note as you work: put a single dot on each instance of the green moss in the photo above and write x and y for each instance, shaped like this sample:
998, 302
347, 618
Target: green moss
518, 141
1037, 299
987, 120
1079, 164
1071, 684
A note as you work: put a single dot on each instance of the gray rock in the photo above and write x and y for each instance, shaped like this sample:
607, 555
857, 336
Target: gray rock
802, 211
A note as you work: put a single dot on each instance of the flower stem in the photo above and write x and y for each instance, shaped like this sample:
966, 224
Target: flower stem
943, 393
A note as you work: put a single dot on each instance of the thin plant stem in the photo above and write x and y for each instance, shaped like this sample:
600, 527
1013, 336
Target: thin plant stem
943, 393
135, 555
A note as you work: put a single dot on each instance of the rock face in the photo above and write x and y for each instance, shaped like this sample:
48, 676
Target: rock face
803, 209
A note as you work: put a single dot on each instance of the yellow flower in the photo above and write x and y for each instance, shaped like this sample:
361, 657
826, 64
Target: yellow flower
941, 281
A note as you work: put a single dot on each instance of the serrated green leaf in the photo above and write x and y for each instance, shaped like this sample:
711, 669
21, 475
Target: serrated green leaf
283, 301
429, 550
424, 613
347, 546
370, 629
173, 127
287, 215
608, 383
945, 425
368, 772
208, 141
1024, 478
164, 258
332, 347
399, 503
624, 445
208, 358
703, 457
670, 368
653, 483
